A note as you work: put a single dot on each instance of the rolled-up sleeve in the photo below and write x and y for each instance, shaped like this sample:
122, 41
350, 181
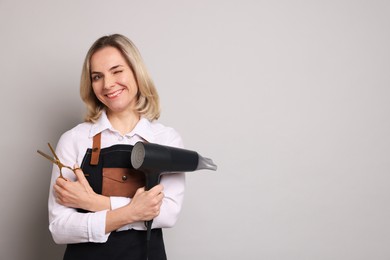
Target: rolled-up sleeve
67, 225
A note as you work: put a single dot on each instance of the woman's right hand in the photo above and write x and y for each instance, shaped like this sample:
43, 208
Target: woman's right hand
79, 194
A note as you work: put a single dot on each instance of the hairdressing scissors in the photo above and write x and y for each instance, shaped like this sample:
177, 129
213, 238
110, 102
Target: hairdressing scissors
56, 161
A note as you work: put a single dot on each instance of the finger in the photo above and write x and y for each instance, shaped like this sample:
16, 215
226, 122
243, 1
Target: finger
61, 182
161, 195
58, 200
57, 188
140, 190
76, 167
160, 199
156, 190
79, 173
58, 191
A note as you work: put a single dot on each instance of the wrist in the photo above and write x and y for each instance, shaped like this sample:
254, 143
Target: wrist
99, 202
130, 214
119, 217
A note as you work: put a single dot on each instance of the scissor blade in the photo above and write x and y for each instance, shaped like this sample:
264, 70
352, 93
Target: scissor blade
47, 157
52, 151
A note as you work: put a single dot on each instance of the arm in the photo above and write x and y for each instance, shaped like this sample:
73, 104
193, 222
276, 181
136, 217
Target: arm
69, 226
145, 205
174, 186
65, 223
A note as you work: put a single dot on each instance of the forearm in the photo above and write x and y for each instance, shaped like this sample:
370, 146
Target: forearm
115, 219
98, 203
68, 226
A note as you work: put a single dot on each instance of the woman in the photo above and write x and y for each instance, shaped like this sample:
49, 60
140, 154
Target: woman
122, 108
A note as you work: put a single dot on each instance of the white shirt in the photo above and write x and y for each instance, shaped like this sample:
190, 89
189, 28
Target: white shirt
69, 226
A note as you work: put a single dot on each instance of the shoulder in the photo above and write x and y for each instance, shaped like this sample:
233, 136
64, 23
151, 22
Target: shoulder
81, 130
165, 135
75, 141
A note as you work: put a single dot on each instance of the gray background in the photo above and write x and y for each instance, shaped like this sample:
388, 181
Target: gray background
290, 99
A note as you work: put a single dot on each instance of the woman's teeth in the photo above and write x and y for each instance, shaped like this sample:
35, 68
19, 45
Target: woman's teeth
114, 94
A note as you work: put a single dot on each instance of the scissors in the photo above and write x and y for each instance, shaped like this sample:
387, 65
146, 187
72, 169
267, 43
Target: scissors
56, 161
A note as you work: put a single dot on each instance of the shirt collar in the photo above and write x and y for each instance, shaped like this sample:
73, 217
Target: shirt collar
101, 124
143, 128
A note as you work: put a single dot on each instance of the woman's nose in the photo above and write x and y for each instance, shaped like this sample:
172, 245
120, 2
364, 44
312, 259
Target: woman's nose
109, 82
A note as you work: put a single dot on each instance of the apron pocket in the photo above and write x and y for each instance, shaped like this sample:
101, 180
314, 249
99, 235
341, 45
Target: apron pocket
121, 182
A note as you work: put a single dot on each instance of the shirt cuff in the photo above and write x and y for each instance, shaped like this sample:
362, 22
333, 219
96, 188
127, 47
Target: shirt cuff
118, 202
136, 226
97, 227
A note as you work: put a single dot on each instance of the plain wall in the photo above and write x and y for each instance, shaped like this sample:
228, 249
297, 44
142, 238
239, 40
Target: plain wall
289, 98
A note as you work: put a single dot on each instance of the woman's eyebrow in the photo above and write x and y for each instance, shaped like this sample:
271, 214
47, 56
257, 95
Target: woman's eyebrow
112, 68
115, 67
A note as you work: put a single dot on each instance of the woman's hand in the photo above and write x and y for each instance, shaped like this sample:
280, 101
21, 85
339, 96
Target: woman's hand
145, 205
79, 194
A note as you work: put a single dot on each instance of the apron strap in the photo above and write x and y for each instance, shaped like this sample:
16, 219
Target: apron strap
96, 149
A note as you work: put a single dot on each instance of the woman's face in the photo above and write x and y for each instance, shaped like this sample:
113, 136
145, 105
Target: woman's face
113, 81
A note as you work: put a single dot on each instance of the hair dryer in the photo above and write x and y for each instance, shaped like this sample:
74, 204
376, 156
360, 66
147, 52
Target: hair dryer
155, 160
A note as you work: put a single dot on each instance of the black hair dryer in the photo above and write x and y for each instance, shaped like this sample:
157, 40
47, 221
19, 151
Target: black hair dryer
155, 160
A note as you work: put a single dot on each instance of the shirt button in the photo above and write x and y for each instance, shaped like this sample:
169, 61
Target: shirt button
120, 138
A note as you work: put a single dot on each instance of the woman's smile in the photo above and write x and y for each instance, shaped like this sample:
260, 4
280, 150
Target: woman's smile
115, 93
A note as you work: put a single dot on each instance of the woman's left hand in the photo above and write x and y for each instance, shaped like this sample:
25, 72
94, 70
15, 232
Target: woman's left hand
79, 194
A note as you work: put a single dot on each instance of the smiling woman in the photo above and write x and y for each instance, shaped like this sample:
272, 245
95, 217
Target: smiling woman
91, 214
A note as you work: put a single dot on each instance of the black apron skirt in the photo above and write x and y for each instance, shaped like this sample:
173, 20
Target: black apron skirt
121, 245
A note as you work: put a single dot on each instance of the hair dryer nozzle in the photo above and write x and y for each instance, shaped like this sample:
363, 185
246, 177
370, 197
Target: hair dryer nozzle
206, 163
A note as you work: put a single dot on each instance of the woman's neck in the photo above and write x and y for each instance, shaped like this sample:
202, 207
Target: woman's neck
123, 122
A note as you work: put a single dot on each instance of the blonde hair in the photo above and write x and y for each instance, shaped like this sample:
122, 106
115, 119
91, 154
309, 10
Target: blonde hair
148, 104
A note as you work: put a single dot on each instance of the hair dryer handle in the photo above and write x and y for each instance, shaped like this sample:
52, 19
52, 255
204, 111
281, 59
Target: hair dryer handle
151, 179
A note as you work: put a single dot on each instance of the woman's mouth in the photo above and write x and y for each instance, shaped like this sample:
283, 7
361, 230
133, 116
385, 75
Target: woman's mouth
114, 94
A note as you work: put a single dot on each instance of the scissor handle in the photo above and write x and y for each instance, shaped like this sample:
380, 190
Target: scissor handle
57, 161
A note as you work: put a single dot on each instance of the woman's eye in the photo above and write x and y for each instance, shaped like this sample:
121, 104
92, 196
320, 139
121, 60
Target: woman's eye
95, 77
117, 71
